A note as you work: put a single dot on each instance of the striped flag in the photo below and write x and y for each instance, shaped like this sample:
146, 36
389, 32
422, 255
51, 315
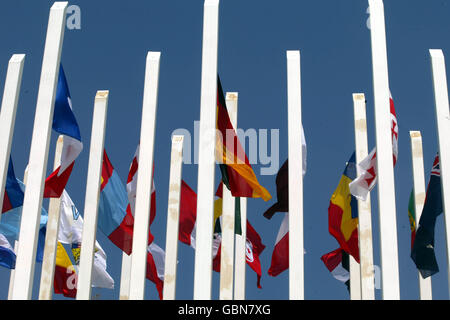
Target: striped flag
237, 172
7, 254
367, 179
64, 123
155, 267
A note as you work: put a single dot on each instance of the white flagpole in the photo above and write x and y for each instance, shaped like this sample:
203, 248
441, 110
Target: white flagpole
240, 255
443, 130
366, 269
32, 204
173, 218
8, 115
296, 247
206, 158
228, 214
419, 199
144, 179
51, 236
92, 195
125, 275
386, 187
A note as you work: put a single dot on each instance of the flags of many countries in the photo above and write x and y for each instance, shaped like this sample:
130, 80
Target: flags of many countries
343, 212
367, 179
7, 254
422, 252
237, 172
337, 262
64, 123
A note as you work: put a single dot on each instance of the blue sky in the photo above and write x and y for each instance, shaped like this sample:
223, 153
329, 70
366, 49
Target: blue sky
109, 51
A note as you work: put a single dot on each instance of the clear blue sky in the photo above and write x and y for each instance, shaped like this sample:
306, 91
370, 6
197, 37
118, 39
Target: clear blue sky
109, 53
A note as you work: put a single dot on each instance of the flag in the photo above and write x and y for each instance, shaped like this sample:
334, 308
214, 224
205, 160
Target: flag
155, 267
218, 207
188, 215
343, 212
423, 253
280, 254
65, 280
367, 178
237, 173
282, 182
131, 192
7, 254
64, 123
115, 219
10, 224
13, 196
337, 262
412, 217
253, 249
70, 232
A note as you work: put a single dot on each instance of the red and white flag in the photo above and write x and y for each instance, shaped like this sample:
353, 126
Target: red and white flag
280, 255
155, 267
367, 179
131, 190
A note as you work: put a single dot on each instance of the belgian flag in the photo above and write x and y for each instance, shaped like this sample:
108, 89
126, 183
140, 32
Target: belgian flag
237, 173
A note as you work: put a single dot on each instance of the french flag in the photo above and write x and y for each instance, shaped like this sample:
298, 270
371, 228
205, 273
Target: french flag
64, 123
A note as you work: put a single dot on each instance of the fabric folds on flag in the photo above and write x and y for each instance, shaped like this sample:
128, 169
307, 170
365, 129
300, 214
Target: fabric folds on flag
64, 123
155, 267
422, 252
237, 172
282, 183
65, 280
7, 254
14, 195
337, 262
115, 219
188, 215
365, 182
70, 232
280, 254
343, 212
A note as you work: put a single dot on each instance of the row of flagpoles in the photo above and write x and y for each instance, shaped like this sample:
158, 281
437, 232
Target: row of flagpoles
232, 258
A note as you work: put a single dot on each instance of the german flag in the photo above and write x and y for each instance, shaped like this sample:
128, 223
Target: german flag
237, 173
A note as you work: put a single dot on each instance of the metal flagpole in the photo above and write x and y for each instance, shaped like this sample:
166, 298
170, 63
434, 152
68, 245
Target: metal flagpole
144, 179
92, 195
386, 187
8, 115
51, 236
173, 218
419, 199
366, 271
228, 214
443, 130
206, 158
296, 247
32, 204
